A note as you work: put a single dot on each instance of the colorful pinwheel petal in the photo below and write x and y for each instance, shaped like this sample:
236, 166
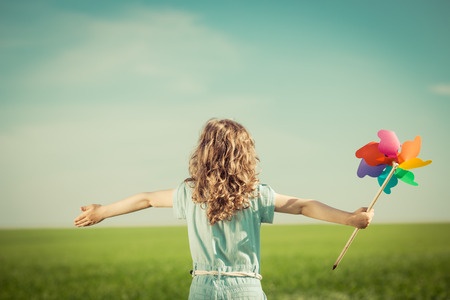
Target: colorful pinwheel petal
377, 159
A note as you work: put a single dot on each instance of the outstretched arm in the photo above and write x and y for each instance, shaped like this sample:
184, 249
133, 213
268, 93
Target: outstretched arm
318, 210
95, 213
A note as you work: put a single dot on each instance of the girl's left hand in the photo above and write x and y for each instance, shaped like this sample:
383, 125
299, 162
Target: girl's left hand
361, 218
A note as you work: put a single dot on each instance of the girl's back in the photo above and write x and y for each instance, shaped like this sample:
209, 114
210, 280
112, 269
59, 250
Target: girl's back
227, 247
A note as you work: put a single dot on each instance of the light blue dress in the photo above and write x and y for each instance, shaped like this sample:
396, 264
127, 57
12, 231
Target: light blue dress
227, 246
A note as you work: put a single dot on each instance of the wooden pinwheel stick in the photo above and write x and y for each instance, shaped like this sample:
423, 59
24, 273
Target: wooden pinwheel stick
372, 204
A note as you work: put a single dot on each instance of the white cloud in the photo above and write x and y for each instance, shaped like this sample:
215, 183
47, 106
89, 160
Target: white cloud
441, 89
169, 49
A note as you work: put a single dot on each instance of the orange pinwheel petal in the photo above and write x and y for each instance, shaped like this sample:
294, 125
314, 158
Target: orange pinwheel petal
414, 163
410, 149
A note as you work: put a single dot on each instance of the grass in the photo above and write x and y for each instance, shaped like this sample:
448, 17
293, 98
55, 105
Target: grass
384, 262
402, 261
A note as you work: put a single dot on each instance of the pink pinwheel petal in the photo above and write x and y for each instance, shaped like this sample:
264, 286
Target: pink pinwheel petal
389, 143
372, 171
410, 149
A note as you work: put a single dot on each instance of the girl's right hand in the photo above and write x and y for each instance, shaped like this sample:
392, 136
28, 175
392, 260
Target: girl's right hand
91, 215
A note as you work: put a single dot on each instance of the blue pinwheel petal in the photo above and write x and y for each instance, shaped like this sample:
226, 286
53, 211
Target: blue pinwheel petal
392, 182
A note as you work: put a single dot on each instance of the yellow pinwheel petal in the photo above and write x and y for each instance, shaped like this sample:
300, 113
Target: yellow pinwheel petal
414, 163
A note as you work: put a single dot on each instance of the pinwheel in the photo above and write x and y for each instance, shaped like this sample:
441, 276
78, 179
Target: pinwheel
389, 161
378, 159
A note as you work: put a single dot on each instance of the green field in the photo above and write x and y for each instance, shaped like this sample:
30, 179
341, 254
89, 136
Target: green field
401, 261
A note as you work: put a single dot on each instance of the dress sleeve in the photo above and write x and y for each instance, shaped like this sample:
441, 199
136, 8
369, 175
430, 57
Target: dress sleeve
179, 201
266, 203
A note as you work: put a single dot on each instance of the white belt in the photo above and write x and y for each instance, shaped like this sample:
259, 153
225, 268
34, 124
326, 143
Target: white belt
217, 273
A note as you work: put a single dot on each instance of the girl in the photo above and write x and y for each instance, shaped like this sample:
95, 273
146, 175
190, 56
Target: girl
224, 206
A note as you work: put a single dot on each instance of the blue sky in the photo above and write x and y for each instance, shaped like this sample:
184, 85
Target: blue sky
101, 100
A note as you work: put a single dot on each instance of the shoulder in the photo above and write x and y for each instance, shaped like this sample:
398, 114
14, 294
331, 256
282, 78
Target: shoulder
264, 191
184, 187
264, 203
181, 197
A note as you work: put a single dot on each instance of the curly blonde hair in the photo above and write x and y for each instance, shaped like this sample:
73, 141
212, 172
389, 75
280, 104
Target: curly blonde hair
223, 169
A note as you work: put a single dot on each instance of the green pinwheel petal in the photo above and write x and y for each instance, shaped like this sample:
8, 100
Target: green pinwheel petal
405, 176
